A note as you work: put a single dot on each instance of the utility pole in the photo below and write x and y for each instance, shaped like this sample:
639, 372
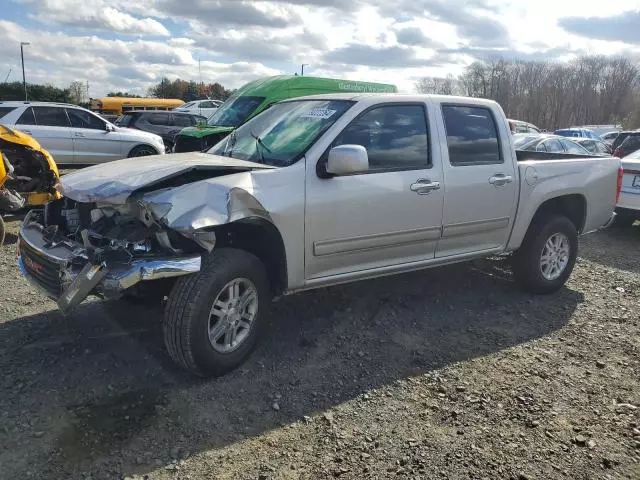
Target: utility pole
24, 78
302, 69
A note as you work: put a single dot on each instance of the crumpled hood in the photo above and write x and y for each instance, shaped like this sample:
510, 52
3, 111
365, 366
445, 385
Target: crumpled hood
114, 182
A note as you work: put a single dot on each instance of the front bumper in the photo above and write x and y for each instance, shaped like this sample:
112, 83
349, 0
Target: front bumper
63, 272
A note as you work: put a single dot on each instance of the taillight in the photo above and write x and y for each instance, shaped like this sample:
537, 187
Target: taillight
618, 152
619, 186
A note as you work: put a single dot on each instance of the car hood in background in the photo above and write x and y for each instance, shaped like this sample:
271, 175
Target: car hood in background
199, 132
115, 182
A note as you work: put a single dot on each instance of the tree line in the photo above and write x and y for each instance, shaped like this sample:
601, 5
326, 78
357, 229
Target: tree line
591, 90
77, 92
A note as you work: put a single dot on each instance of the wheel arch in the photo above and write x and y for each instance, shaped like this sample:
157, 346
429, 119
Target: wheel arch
140, 145
573, 206
261, 238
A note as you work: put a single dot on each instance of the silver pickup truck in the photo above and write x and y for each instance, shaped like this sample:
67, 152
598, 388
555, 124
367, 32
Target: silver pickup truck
313, 192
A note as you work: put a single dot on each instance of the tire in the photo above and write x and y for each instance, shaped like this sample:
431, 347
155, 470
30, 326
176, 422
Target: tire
2, 230
527, 260
142, 151
189, 313
623, 221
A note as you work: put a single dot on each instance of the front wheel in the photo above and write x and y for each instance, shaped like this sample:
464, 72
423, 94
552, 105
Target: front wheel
142, 151
213, 318
546, 258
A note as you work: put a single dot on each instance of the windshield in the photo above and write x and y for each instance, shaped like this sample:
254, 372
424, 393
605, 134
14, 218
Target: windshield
281, 134
234, 112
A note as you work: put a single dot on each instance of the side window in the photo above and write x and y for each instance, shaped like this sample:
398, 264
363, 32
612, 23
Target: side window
591, 146
571, 147
207, 105
183, 121
27, 117
158, 119
395, 137
472, 136
554, 146
84, 119
51, 116
541, 147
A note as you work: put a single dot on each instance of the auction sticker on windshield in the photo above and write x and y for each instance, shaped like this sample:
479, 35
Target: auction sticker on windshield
323, 113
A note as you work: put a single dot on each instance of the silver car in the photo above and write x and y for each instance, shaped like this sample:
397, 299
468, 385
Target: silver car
77, 136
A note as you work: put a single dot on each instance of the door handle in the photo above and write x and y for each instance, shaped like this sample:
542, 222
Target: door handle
28, 132
500, 179
79, 134
424, 186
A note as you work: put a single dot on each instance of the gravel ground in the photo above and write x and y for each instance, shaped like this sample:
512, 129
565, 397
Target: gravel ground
450, 373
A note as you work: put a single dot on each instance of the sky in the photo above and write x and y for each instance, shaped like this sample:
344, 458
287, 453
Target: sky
130, 44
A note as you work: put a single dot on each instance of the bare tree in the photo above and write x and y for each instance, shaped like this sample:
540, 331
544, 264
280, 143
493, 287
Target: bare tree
588, 90
78, 92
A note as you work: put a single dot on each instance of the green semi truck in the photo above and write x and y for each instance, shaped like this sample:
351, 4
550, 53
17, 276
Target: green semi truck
255, 97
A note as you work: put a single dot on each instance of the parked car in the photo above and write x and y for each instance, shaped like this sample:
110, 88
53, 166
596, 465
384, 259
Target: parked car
28, 174
595, 147
628, 208
548, 143
609, 137
75, 135
630, 144
577, 132
205, 108
259, 95
622, 136
518, 126
109, 117
314, 191
165, 124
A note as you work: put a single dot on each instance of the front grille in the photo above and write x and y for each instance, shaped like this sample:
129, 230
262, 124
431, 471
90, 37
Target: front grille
43, 271
185, 143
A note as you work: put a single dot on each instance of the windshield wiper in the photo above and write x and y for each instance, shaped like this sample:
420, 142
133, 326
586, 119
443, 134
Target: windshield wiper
259, 146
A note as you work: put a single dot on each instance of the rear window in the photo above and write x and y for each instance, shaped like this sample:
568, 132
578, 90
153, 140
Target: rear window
472, 135
124, 120
5, 110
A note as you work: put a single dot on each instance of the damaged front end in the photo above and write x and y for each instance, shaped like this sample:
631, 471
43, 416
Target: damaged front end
129, 223
71, 250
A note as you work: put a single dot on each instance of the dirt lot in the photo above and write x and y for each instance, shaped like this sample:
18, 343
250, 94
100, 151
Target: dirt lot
450, 373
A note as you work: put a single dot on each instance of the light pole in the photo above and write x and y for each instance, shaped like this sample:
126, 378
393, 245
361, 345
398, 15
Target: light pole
24, 78
302, 69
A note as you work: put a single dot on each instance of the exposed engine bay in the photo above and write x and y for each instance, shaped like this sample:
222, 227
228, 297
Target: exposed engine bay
105, 232
27, 170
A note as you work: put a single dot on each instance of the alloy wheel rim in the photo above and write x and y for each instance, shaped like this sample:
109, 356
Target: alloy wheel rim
555, 256
232, 315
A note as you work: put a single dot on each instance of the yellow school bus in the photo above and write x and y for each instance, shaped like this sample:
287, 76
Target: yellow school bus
119, 105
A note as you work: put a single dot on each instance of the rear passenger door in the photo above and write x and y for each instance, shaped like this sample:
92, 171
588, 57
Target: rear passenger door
50, 126
481, 187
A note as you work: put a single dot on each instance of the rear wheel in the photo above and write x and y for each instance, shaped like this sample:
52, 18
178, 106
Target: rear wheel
142, 151
213, 318
546, 258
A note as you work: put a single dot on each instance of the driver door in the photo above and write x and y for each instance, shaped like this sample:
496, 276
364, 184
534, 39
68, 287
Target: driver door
381, 217
92, 142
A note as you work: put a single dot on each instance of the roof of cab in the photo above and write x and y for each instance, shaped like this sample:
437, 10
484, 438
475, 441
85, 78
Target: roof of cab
399, 97
263, 86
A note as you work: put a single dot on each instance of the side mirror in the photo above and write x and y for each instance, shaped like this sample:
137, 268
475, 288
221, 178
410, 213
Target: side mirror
346, 159
109, 128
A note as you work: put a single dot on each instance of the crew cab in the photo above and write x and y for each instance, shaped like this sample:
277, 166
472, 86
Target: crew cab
315, 191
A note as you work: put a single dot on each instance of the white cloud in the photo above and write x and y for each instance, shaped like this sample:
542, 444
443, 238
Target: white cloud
97, 15
117, 44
